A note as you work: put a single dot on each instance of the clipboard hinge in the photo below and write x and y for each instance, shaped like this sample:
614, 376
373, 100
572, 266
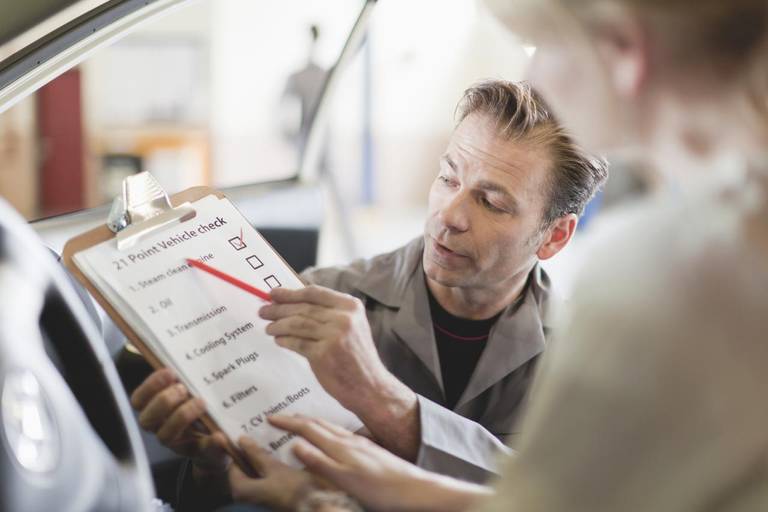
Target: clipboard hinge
143, 207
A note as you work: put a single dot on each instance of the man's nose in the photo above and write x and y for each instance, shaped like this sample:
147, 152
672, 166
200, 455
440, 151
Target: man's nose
454, 214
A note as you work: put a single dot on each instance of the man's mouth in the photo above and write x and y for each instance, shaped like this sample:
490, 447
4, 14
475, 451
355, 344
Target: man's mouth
445, 250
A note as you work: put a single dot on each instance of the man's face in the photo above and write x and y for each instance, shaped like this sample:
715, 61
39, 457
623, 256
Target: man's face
485, 208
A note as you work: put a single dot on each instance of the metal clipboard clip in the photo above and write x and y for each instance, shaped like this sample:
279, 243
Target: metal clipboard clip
142, 209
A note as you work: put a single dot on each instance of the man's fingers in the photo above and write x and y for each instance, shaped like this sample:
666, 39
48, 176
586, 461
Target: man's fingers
301, 346
180, 420
259, 458
218, 441
161, 406
317, 295
278, 311
152, 385
214, 446
297, 326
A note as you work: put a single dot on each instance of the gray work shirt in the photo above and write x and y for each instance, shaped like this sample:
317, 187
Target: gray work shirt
466, 441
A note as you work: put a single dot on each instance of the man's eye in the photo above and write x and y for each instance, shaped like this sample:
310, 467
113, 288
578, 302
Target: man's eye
490, 206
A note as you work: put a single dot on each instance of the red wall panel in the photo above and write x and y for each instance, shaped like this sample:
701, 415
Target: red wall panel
62, 176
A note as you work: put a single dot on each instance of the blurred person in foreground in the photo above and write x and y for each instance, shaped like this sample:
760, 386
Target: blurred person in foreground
655, 398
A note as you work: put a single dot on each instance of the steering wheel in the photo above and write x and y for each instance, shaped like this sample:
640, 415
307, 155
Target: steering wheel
68, 439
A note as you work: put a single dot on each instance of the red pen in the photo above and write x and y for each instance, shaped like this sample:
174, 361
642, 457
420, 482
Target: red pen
230, 279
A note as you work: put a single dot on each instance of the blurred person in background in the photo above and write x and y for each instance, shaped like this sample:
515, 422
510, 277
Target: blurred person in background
654, 399
301, 95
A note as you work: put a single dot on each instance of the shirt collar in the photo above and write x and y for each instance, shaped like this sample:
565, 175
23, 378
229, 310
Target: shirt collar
388, 283
517, 337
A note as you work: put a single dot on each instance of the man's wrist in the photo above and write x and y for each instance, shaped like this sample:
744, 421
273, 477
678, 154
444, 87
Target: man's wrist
390, 411
388, 400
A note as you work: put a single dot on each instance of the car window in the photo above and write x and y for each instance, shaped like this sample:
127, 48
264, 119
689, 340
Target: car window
392, 114
216, 92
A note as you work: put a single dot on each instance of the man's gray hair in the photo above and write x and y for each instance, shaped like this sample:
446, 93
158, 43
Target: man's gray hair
519, 113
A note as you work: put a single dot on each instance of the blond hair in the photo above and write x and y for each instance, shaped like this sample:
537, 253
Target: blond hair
724, 33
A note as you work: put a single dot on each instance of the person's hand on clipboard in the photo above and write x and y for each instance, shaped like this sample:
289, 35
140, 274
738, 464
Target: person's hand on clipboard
166, 409
331, 330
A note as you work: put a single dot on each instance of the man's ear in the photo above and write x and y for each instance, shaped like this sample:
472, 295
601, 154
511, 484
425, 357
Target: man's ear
623, 44
557, 236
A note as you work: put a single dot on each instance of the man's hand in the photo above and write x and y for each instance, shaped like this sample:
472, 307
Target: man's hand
278, 486
375, 477
331, 330
166, 409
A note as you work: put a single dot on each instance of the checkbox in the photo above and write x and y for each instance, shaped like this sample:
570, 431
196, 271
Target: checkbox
254, 262
272, 282
237, 243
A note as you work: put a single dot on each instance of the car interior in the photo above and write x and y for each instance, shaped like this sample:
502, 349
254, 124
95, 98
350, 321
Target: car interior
70, 440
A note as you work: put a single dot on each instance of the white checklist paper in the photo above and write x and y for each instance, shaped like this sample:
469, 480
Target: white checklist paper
207, 329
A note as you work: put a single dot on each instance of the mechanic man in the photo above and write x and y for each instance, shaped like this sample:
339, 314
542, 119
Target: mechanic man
433, 345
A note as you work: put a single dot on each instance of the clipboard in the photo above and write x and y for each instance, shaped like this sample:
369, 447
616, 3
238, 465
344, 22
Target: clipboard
140, 207
144, 208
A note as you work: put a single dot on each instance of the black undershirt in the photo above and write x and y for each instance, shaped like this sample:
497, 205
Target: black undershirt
460, 343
